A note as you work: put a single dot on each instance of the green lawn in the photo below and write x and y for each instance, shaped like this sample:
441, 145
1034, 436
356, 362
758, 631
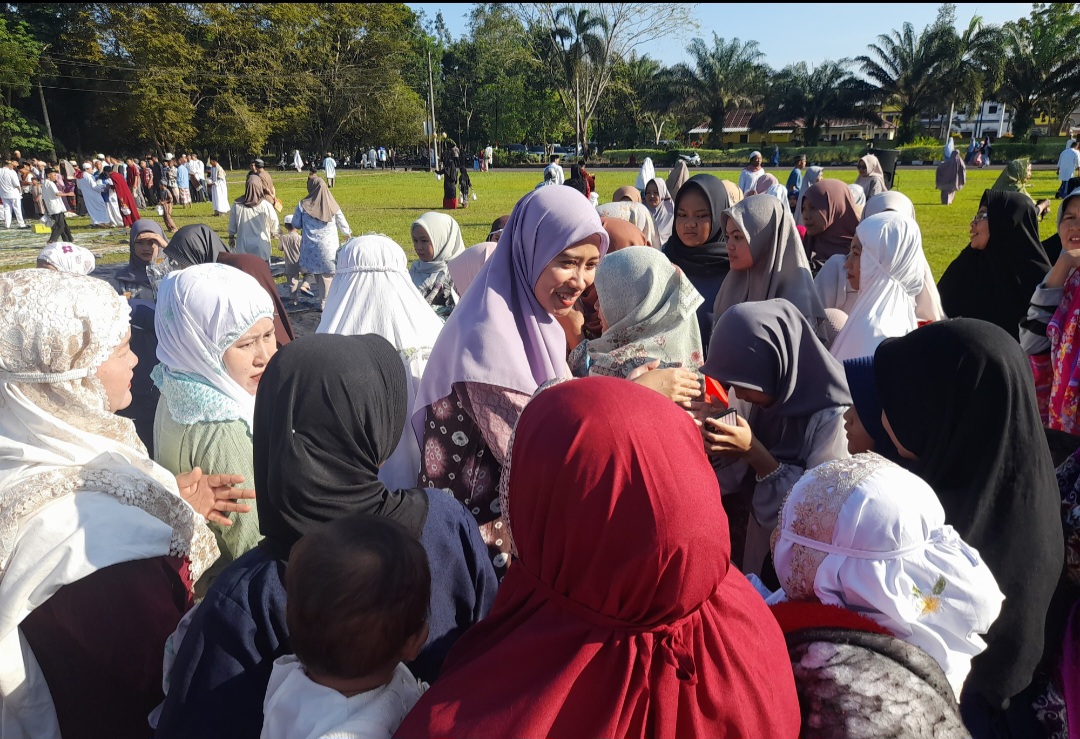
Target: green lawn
389, 203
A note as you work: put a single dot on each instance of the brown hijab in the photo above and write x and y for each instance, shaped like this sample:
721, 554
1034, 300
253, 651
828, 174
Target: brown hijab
833, 199
629, 191
253, 191
257, 268
319, 203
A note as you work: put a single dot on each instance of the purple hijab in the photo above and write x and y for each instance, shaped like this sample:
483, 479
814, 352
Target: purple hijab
499, 334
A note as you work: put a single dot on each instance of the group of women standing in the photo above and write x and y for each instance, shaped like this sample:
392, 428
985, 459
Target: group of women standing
623, 419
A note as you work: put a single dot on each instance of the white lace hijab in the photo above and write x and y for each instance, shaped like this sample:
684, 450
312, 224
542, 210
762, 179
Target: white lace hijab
865, 534
201, 312
77, 490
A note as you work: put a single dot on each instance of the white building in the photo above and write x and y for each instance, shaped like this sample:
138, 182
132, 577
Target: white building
992, 119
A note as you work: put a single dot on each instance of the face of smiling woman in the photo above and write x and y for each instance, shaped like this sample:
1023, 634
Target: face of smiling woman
567, 276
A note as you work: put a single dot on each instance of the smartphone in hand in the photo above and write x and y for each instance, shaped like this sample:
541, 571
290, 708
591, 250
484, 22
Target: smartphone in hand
728, 419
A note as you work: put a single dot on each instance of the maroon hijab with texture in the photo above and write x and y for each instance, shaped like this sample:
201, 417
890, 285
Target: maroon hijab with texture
623, 616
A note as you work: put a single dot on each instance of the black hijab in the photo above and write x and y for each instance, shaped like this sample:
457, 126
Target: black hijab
959, 395
330, 409
995, 284
136, 269
195, 244
711, 257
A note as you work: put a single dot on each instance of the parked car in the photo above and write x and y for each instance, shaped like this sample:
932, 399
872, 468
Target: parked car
516, 148
692, 160
538, 150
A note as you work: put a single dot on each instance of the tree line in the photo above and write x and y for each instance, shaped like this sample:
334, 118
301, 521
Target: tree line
258, 77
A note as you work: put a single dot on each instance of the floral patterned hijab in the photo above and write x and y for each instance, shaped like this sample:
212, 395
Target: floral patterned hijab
650, 308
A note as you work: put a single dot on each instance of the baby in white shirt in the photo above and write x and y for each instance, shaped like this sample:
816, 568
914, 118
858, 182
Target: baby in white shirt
358, 593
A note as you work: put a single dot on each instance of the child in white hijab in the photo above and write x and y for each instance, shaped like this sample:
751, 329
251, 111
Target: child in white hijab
867, 535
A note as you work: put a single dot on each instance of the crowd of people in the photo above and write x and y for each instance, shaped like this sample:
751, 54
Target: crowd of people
713, 459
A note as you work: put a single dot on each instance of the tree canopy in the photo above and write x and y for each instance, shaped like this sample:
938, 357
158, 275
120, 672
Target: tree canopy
242, 78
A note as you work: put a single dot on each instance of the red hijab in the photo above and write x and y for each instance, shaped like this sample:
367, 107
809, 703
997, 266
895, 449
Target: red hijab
623, 616
124, 197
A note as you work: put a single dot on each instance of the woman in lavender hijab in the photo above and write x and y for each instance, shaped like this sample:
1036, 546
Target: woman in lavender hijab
506, 338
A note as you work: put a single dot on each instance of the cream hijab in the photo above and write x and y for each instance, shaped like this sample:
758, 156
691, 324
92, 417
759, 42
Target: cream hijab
445, 235
650, 308
637, 214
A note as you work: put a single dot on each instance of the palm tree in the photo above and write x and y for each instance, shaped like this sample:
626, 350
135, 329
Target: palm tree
724, 78
907, 71
576, 45
817, 95
646, 89
974, 65
1041, 65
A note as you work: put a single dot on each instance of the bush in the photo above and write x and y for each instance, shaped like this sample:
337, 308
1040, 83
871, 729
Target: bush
839, 154
921, 153
1041, 153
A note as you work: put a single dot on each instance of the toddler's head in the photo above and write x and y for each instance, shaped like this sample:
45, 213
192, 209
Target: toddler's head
358, 592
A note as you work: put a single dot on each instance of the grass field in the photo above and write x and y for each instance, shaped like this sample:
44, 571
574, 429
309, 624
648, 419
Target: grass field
389, 202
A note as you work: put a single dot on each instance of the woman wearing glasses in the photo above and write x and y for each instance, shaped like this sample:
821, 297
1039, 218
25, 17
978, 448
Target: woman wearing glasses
993, 278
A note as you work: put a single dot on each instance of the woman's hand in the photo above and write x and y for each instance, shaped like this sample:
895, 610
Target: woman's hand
214, 495
722, 439
675, 383
1063, 267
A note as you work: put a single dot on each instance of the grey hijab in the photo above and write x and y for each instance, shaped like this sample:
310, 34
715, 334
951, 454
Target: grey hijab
768, 346
780, 268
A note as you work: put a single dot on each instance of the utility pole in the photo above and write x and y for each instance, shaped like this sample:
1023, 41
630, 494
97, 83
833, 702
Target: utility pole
431, 97
45, 112
48, 125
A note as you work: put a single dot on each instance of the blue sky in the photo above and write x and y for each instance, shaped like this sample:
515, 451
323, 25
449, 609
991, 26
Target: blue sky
788, 32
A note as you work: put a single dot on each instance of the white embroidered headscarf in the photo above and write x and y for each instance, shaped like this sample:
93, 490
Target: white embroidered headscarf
890, 276
865, 534
77, 490
201, 312
445, 235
